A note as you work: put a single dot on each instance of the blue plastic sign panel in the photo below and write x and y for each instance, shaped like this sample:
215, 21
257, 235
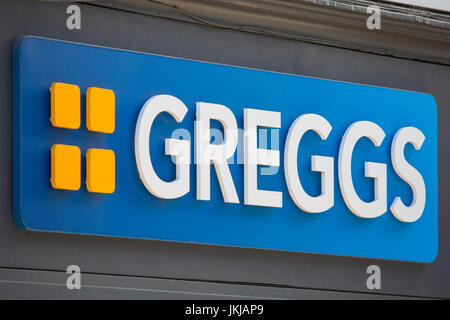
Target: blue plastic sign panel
132, 211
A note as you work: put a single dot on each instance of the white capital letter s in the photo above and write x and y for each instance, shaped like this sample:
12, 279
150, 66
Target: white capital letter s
409, 174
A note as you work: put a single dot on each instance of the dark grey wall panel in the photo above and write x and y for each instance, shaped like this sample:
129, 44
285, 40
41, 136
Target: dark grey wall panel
32, 284
115, 28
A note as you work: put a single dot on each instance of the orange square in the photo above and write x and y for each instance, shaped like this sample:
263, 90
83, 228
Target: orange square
100, 110
65, 167
65, 105
100, 170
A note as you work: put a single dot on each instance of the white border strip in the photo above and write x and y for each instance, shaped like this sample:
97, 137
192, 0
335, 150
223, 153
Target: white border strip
431, 4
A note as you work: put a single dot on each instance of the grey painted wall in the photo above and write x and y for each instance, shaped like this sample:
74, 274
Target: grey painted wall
32, 284
154, 259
